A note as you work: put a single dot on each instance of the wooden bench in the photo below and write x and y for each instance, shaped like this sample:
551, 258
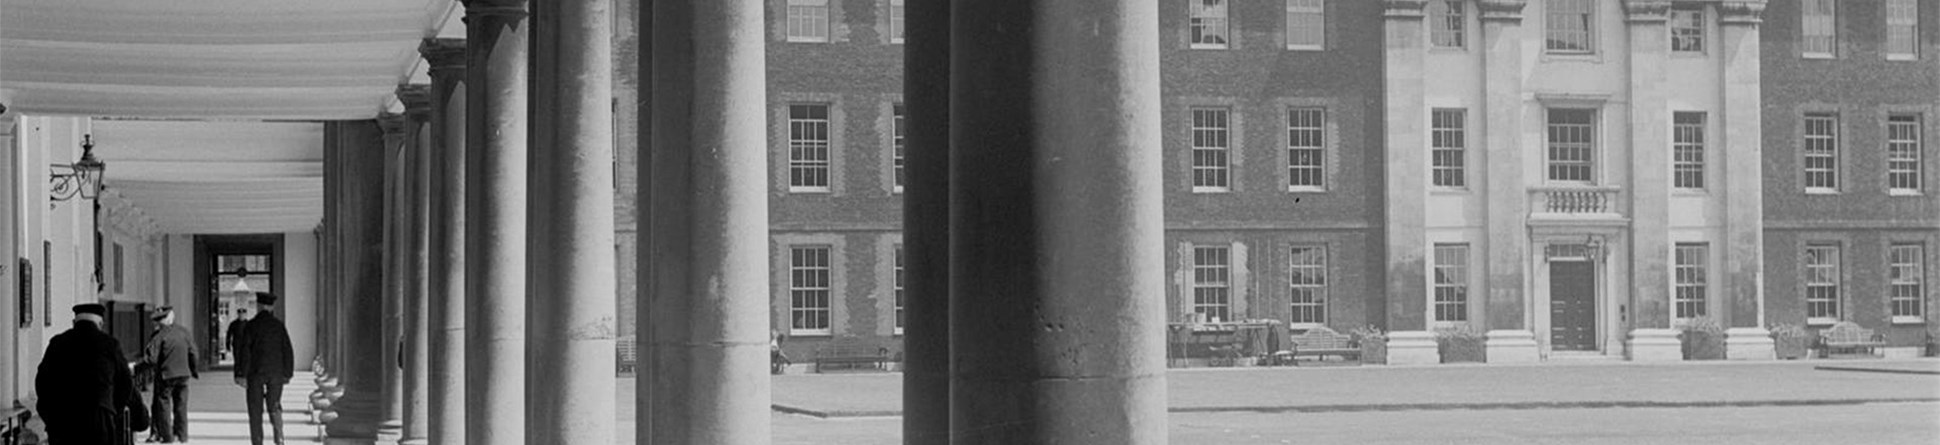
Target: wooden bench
1849, 336
13, 424
850, 351
1322, 342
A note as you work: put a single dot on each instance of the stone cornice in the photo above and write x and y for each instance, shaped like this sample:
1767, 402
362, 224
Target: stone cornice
1501, 10
443, 56
1405, 9
514, 9
1748, 12
1647, 10
416, 99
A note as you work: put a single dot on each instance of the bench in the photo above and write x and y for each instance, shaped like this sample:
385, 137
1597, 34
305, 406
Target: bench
1322, 342
1849, 336
850, 351
13, 426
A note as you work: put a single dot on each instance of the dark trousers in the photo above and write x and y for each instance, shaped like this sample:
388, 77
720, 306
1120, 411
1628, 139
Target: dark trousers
261, 392
172, 410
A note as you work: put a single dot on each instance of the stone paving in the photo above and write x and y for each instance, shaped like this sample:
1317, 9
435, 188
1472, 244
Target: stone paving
217, 415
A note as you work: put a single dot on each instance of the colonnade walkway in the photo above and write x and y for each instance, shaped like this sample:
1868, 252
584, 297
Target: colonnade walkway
217, 415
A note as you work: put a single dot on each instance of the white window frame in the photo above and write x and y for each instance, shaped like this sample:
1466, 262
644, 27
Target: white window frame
897, 292
1210, 26
1822, 148
810, 148
1448, 295
1310, 280
1904, 146
1212, 282
1902, 30
1448, 148
1448, 24
1690, 296
1906, 282
1825, 277
1306, 25
897, 23
1688, 149
898, 144
1211, 136
1818, 29
1564, 169
1687, 29
808, 21
1556, 13
808, 277
1307, 143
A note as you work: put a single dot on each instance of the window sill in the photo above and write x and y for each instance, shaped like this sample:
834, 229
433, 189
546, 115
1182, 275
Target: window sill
1690, 192
1212, 190
1902, 58
1449, 191
1206, 47
1432, 49
818, 190
1905, 319
1690, 54
1816, 56
899, 332
1306, 48
1306, 189
1814, 191
897, 190
1304, 326
811, 334
1903, 192
1820, 322
796, 40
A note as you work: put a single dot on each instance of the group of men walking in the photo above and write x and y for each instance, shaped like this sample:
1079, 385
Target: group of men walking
87, 391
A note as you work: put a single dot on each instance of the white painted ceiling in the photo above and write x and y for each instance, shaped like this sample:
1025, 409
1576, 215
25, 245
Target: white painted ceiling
214, 107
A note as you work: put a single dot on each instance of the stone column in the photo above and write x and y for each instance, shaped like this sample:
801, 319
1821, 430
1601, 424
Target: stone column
10, 267
704, 294
415, 243
1409, 341
1744, 280
495, 220
1509, 337
357, 149
1651, 335
926, 225
390, 429
571, 323
445, 281
1057, 313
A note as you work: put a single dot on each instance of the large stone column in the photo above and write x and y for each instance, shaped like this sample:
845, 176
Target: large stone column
1744, 280
704, 296
1509, 337
356, 150
1651, 336
445, 281
926, 225
390, 429
1409, 341
495, 220
10, 268
415, 243
1057, 314
571, 324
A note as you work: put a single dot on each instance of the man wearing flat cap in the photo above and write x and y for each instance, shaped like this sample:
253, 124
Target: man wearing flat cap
86, 394
264, 363
172, 357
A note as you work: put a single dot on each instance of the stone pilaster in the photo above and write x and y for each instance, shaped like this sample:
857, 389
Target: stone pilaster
1649, 183
1049, 350
1407, 189
356, 153
1509, 338
497, 71
1744, 291
415, 265
445, 281
570, 321
926, 226
704, 298
9, 267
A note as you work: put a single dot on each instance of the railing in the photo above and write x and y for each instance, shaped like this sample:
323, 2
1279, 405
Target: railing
1576, 200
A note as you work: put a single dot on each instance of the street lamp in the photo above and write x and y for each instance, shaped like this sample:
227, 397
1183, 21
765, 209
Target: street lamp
82, 178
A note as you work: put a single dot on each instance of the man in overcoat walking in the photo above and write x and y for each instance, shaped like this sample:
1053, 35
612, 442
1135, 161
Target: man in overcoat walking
265, 363
86, 393
172, 356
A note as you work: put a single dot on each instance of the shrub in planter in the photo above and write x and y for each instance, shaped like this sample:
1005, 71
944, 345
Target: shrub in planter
1460, 344
1933, 340
1374, 344
1703, 339
1791, 340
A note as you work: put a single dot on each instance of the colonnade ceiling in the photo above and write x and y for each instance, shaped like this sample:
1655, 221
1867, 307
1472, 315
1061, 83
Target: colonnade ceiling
209, 113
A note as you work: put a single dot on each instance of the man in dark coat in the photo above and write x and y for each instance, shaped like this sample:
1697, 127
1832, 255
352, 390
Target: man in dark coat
172, 356
264, 363
87, 396
234, 333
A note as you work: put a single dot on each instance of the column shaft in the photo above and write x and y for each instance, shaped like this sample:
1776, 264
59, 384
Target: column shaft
416, 184
571, 324
704, 377
1743, 275
1057, 264
10, 270
358, 150
391, 427
926, 226
1407, 190
495, 220
1507, 195
1650, 182
445, 283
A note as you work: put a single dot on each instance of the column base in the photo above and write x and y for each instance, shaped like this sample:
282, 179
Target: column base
1511, 346
356, 420
1413, 348
413, 442
1749, 344
1655, 345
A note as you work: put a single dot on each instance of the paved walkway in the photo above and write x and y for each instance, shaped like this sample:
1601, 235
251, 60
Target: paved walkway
217, 415
1336, 389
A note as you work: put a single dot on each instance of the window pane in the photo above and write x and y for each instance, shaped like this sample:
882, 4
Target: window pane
1903, 153
1306, 24
1687, 150
1689, 272
1906, 279
1687, 29
1307, 273
1821, 146
1822, 281
1448, 23
1902, 29
1572, 144
1451, 282
809, 290
1211, 286
1820, 28
808, 147
1210, 168
1448, 147
1569, 25
897, 143
1306, 148
1209, 24
808, 21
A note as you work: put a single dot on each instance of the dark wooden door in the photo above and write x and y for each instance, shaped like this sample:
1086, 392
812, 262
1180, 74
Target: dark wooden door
1572, 306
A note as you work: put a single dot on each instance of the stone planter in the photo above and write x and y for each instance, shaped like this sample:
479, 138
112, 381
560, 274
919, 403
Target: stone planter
1790, 348
1703, 345
1461, 349
1374, 351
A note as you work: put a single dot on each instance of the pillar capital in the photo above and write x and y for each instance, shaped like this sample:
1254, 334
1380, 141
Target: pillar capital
445, 57
1742, 12
1647, 11
1405, 9
516, 9
1502, 10
393, 125
416, 99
